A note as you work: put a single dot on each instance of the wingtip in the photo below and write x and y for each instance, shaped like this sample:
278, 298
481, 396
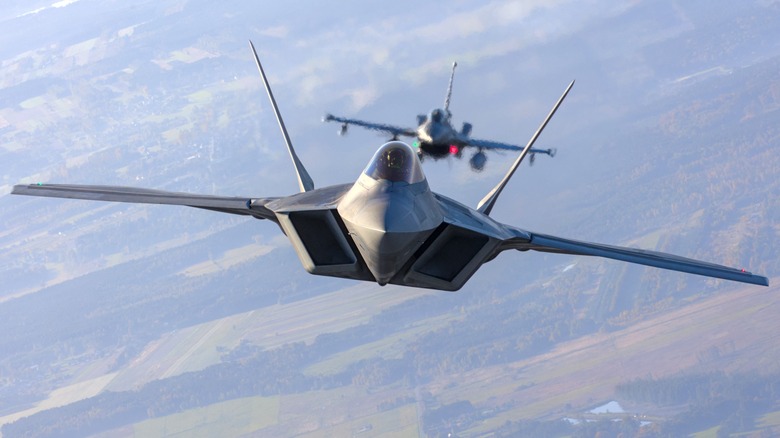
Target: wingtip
23, 189
755, 279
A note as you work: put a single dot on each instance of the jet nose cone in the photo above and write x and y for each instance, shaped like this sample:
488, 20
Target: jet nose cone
389, 220
387, 234
385, 253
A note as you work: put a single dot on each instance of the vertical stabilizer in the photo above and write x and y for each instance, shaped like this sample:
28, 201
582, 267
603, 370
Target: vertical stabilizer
304, 180
486, 204
449, 90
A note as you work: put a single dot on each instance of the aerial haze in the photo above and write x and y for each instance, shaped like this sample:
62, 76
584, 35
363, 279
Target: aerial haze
155, 320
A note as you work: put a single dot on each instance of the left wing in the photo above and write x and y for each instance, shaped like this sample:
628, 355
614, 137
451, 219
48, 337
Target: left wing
394, 130
233, 205
524, 240
495, 145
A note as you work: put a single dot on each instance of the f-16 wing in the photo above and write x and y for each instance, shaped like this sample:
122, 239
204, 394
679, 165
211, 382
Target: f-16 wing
233, 205
390, 129
553, 244
495, 145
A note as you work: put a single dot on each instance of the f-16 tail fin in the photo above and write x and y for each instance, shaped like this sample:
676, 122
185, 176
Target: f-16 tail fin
449, 89
304, 180
486, 204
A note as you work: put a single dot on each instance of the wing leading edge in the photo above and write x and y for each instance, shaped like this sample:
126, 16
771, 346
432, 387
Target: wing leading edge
553, 244
488, 144
233, 205
390, 129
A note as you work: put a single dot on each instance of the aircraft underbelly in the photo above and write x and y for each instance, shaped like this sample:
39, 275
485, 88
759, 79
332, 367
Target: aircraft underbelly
436, 150
443, 258
386, 252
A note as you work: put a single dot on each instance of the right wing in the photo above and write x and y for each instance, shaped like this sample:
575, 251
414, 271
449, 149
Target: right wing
487, 144
233, 205
525, 240
394, 130
495, 145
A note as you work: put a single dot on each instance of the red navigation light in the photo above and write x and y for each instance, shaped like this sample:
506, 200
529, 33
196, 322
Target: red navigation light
454, 149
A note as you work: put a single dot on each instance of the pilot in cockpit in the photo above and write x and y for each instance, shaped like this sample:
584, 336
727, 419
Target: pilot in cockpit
392, 167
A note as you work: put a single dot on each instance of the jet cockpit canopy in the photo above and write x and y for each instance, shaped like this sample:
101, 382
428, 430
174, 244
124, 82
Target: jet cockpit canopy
395, 162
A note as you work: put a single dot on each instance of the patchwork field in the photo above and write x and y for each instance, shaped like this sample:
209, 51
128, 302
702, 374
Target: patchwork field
566, 381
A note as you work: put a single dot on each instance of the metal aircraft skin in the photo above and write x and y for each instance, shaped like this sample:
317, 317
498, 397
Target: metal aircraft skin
388, 226
435, 136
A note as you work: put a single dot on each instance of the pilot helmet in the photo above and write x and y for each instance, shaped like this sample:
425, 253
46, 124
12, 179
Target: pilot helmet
395, 158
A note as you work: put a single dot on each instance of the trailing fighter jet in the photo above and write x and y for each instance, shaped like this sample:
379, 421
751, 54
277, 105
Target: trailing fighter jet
388, 226
437, 138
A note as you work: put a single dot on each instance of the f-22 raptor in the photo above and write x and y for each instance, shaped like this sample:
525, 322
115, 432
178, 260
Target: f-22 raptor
388, 226
435, 136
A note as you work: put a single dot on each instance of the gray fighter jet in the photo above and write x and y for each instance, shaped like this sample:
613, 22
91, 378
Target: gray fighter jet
388, 226
435, 136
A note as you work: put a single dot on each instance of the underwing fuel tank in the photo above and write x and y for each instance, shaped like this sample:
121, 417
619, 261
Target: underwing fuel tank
390, 211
